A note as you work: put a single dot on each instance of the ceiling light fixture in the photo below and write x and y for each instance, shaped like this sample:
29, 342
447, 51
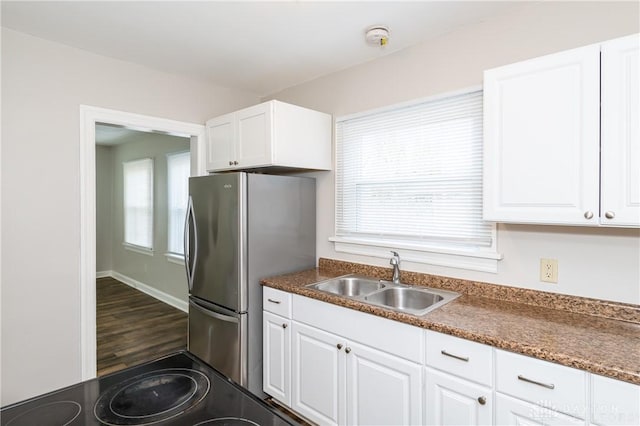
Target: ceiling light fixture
377, 35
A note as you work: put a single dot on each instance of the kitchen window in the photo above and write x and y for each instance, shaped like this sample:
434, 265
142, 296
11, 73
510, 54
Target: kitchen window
138, 205
409, 178
178, 172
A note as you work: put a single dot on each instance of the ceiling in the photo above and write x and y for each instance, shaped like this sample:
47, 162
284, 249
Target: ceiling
261, 47
111, 135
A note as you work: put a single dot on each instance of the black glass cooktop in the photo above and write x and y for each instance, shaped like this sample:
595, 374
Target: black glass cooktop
175, 390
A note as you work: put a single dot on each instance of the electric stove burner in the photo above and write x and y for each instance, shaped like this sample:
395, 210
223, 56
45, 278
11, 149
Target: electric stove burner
56, 413
152, 397
228, 421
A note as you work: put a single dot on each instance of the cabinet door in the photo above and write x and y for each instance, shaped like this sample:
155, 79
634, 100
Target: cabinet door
381, 389
511, 411
254, 138
453, 401
621, 132
276, 336
220, 143
541, 139
318, 370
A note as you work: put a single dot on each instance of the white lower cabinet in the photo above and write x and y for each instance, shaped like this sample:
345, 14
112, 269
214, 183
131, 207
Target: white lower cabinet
454, 401
381, 389
276, 334
337, 381
337, 366
512, 411
318, 375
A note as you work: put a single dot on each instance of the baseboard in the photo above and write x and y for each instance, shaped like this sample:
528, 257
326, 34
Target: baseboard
104, 274
151, 291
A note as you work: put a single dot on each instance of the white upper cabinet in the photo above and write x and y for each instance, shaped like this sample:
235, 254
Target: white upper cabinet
220, 142
271, 134
620, 155
542, 138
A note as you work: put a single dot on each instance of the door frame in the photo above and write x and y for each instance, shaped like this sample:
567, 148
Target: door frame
89, 116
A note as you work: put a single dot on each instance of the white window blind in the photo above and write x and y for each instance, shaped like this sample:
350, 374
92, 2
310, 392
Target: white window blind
413, 175
138, 203
178, 171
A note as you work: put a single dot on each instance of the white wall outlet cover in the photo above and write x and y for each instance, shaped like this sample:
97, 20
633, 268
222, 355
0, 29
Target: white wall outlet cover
549, 270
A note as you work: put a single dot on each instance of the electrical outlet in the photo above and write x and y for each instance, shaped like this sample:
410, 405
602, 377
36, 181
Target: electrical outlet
549, 270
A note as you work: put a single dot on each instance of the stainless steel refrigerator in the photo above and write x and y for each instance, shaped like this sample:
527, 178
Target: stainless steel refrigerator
240, 228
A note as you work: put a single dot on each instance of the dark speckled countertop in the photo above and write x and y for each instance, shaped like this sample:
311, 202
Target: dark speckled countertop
597, 336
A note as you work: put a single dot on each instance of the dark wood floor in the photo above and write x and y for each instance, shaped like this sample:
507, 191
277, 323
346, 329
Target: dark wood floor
133, 327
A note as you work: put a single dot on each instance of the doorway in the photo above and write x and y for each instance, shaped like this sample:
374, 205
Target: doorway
89, 117
141, 199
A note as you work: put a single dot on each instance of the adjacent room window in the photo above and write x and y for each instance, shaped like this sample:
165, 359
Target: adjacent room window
410, 177
178, 172
138, 204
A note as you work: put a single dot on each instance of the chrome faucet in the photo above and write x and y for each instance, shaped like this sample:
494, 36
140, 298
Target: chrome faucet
395, 262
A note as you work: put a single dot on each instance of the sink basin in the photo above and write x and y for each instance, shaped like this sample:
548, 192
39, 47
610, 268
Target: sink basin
351, 286
410, 299
387, 294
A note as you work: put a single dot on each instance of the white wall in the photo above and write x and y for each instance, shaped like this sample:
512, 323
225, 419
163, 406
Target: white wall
43, 84
599, 263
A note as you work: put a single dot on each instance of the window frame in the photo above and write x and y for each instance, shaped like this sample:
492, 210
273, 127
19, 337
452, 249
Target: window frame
478, 259
129, 245
174, 257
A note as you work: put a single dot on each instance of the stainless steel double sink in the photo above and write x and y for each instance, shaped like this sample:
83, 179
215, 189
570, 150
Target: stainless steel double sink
398, 297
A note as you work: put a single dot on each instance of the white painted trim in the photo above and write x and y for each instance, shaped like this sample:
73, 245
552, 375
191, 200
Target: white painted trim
152, 291
104, 274
89, 116
475, 260
138, 249
175, 258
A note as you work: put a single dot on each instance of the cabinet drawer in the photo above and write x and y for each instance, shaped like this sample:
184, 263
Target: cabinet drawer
511, 411
276, 301
468, 360
550, 385
614, 402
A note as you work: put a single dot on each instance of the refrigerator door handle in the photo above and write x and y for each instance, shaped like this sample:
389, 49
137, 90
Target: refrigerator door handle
190, 266
212, 314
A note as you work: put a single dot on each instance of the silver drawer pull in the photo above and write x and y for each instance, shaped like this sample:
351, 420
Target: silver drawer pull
544, 385
277, 302
461, 358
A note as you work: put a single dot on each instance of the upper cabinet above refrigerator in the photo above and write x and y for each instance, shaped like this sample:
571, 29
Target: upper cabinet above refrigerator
562, 139
273, 134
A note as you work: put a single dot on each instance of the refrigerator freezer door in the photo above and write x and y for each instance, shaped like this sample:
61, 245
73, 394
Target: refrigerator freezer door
216, 336
219, 215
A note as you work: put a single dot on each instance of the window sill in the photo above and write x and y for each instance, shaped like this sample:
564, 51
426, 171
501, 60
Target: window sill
175, 258
138, 249
475, 260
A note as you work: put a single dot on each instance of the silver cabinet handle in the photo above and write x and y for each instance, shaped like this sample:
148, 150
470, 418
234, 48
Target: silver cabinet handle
284, 325
588, 214
339, 346
235, 163
347, 349
609, 215
277, 302
482, 400
544, 385
461, 358
231, 163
